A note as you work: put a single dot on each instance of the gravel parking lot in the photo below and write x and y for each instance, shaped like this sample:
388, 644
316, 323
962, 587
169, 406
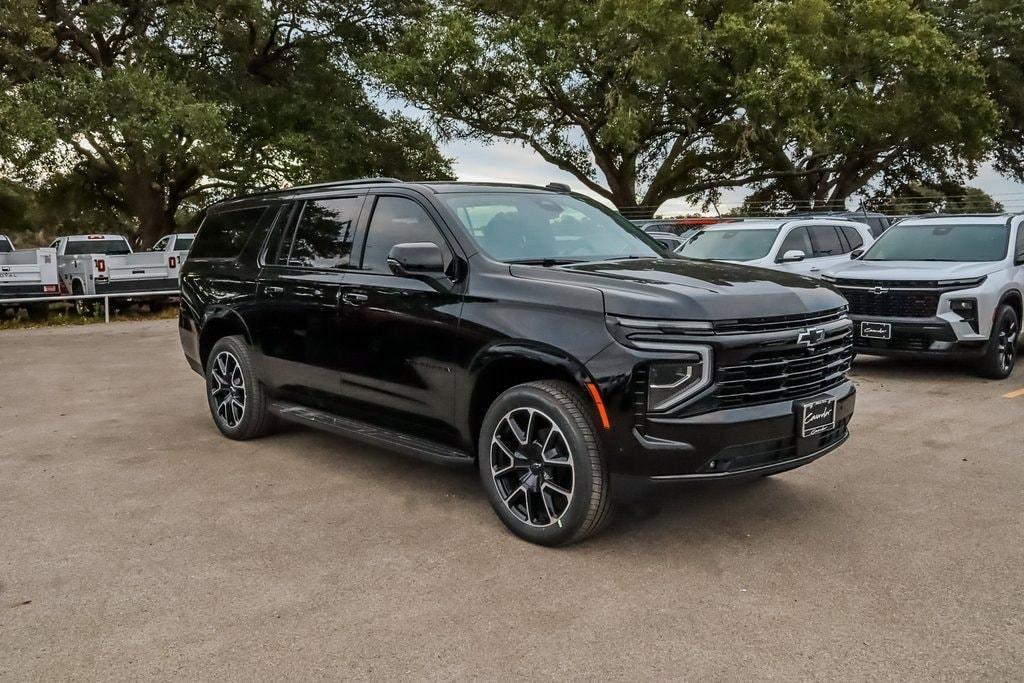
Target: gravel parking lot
136, 541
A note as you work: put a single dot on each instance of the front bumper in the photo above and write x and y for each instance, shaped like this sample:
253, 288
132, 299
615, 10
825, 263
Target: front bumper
730, 444
933, 337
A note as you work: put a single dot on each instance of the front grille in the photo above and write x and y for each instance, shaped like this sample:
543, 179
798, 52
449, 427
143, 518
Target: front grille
780, 322
906, 284
894, 303
782, 374
736, 459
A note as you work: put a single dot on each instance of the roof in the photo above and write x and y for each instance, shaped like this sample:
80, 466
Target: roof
777, 223
960, 219
83, 238
437, 186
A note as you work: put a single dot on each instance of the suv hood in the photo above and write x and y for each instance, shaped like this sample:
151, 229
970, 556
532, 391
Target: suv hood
686, 289
912, 270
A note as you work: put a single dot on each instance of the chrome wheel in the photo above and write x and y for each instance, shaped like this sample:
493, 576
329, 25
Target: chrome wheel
228, 388
532, 467
1007, 345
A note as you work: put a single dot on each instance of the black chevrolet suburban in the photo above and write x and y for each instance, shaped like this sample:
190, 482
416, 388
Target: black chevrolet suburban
528, 330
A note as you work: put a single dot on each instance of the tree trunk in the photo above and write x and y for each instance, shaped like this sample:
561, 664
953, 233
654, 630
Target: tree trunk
146, 201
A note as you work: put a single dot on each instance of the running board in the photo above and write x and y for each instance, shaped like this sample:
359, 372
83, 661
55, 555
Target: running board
423, 449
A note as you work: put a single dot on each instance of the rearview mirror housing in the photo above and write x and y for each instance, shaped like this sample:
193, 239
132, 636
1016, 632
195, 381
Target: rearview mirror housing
792, 256
416, 258
856, 254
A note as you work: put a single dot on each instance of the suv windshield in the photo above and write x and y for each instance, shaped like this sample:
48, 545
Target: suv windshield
924, 242
522, 227
730, 245
110, 247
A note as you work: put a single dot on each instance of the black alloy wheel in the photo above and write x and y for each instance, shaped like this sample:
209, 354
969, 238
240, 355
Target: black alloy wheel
238, 401
532, 467
228, 388
542, 463
1001, 353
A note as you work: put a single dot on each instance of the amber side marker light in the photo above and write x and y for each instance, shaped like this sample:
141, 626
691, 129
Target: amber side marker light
599, 404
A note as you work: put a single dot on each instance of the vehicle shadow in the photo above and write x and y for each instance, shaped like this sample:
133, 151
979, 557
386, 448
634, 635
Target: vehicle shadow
688, 513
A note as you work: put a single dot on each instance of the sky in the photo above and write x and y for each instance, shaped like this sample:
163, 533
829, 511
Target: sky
511, 162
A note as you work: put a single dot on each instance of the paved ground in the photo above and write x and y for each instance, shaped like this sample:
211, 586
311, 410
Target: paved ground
136, 542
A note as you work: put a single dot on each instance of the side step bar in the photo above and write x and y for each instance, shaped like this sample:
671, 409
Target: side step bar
423, 449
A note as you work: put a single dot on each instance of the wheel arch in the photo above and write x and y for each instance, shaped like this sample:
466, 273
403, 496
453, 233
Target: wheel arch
504, 366
217, 326
1014, 300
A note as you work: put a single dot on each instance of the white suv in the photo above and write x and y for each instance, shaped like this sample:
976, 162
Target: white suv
940, 285
806, 246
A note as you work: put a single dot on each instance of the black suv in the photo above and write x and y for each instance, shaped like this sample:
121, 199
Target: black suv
529, 330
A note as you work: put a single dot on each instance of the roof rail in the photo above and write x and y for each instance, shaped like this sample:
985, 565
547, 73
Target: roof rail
340, 183
312, 186
928, 216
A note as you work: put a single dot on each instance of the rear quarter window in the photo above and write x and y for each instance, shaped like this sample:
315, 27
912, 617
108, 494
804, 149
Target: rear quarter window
225, 233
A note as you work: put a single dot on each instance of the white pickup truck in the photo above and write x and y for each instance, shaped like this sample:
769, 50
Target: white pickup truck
105, 264
25, 274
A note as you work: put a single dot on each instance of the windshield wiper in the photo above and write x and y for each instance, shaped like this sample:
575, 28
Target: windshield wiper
546, 262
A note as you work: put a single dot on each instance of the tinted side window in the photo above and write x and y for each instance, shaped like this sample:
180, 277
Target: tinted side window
223, 234
1019, 250
825, 240
796, 240
853, 237
396, 221
325, 232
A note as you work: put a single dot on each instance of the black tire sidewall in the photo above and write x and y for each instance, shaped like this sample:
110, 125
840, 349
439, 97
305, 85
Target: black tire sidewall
584, 461
237, 347
990, 365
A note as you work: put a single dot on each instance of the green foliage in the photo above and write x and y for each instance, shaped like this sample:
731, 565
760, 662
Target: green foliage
805, 99
859, 91
147, 109
990, 32
943, 197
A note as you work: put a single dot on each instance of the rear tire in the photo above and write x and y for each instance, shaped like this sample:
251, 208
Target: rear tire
238, 401
542, 464
83, 307
1001, 352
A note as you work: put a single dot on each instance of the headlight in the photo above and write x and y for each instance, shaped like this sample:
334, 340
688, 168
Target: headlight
966, 309
670, 383
971, 282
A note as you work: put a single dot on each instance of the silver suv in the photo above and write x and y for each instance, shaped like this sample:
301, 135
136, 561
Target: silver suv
805, 246
943, 286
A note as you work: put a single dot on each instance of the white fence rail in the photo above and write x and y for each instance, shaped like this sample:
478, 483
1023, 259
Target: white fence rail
81, 297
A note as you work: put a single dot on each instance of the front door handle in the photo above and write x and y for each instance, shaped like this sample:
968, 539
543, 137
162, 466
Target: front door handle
273, 290
354, 298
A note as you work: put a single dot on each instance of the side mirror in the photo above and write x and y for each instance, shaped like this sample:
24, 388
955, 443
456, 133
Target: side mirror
856, 254
792, 256
416, 258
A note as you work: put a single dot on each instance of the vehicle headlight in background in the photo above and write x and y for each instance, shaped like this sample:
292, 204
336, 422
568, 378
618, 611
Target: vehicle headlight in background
669, 383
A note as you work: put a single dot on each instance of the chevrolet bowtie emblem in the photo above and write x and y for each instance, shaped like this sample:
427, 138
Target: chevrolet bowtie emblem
811, 337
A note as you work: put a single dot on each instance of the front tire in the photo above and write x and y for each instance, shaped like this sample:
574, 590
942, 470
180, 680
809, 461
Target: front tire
1001, 353
542, 465
238, 401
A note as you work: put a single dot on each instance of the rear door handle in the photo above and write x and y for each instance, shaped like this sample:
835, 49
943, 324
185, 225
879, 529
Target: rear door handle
273, 290
354, 298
